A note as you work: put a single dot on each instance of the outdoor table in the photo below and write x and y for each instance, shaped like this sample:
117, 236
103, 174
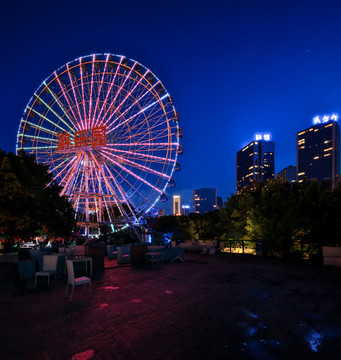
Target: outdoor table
78, 259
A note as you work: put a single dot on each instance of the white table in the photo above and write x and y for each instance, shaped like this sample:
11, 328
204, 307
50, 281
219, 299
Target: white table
86, 259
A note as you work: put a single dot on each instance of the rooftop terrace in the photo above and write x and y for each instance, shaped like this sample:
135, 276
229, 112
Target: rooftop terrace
225, 306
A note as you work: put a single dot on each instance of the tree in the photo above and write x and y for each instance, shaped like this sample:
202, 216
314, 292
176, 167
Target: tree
283, 214
319, 211
30, 201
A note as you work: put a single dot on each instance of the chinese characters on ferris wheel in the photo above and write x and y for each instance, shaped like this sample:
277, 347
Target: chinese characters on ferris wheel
83, 138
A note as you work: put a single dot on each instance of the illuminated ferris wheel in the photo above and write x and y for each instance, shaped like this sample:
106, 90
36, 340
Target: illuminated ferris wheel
108, 130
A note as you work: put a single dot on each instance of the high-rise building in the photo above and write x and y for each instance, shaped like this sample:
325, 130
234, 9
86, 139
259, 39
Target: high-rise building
255, 161
220, 203
176, 205
288, 174
161, 212
185, 209
204, 200
318, 150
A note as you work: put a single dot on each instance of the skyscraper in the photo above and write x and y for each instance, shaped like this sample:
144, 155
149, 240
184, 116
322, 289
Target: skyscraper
288, 174
185, 209
255, 161
161, 212
220, 203
176, 205
204, 200
318, 150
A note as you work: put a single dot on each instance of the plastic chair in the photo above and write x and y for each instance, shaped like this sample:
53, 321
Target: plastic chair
49, 268
123, 255
71, 280
112, 251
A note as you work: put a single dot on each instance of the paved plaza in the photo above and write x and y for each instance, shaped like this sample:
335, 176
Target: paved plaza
223, 306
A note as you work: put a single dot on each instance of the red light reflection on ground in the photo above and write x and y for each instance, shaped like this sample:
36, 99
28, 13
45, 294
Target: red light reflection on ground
86, 355
109, 287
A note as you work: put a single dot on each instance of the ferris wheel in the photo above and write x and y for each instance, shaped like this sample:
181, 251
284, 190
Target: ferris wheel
108, 130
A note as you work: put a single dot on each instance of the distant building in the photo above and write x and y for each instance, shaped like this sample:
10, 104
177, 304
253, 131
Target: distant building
255, 161
176, 205
185, 210
220, 203
161, 212
204, 200
318, 150
288, 174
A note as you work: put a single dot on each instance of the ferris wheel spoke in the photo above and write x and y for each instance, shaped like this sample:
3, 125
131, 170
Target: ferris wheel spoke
132, 173
40, 128
58, 116
107, 199
45, 118
135, 192
66, 96
82, 86
91, 87
147, 155
134, 103
133, 116
119, 90
66, 173
122, 193
38, 148
138, 166
109, 186
99, 91
43, 139
125, 98
127, 135
108, 94
76, 101
68, 180
135, 189
60, 105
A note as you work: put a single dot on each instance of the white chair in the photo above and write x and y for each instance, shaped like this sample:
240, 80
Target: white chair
49, 268
71, 280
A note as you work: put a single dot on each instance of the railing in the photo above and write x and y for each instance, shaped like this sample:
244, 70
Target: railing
240, 246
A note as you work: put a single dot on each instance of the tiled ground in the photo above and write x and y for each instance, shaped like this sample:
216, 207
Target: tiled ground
209, 307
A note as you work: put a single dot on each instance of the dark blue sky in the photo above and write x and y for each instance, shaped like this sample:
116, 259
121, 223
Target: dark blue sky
232, 67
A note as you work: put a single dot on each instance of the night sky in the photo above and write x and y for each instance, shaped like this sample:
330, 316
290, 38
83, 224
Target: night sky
233, 68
